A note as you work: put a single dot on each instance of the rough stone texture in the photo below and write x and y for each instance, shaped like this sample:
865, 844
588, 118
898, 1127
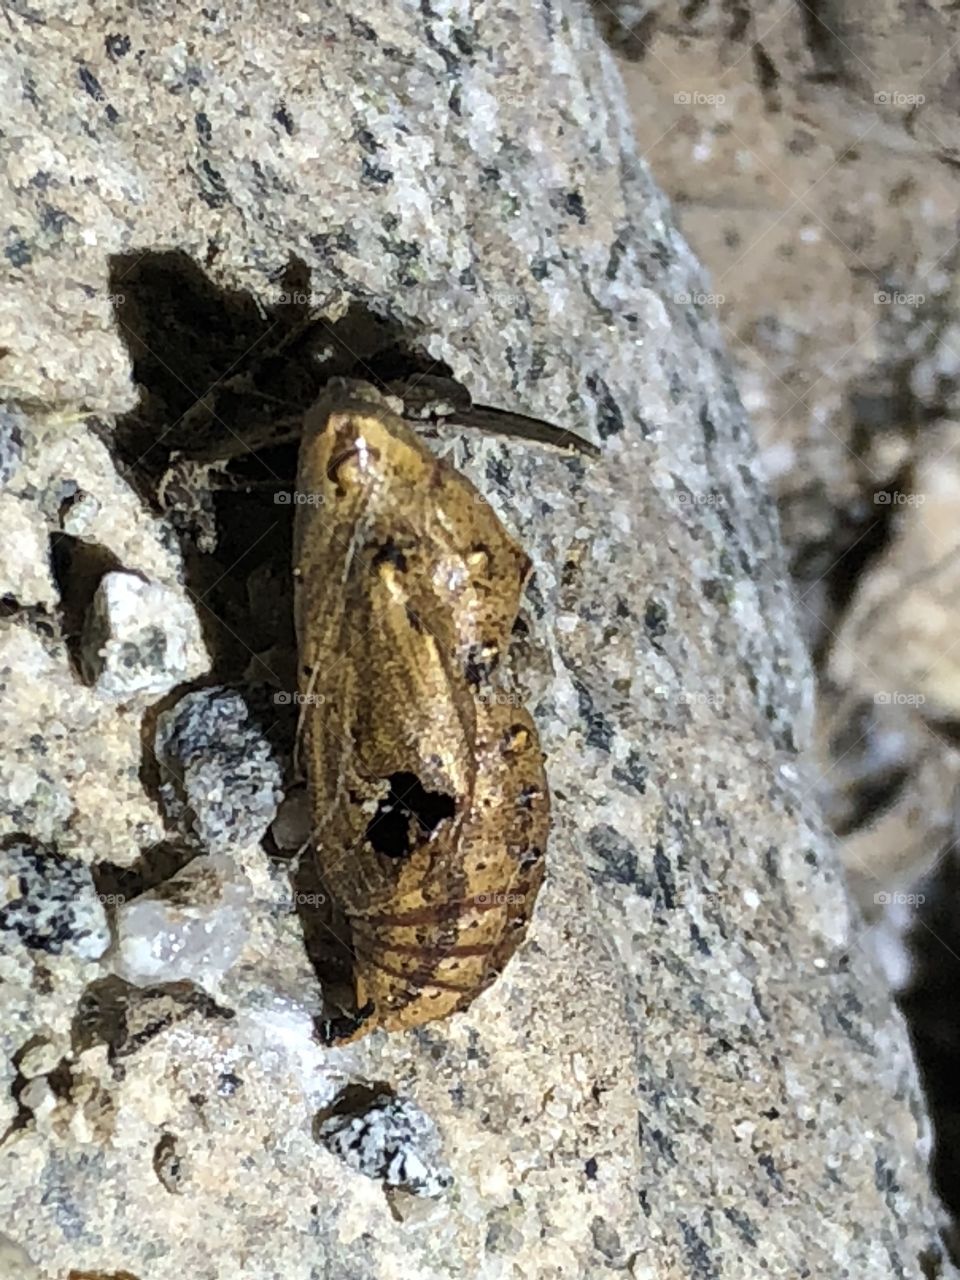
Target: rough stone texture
25, 565
140, 638
391, 1140
190, 928
17, 1262
808, 149
690, 1068
220, 780
799, 149
813, 150
49, 903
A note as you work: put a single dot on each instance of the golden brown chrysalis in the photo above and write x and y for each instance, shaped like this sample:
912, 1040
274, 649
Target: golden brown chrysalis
428, 794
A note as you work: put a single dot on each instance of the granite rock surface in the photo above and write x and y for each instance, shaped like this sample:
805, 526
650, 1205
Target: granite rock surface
812, 153
689, 1069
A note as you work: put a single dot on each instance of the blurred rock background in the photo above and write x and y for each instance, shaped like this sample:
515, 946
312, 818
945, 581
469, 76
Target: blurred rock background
813, 153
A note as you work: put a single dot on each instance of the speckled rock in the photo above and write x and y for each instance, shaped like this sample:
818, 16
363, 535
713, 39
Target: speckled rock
140, 638
40, 1058
808, 151
690, 1057
391, 1140
49, 903
220, 777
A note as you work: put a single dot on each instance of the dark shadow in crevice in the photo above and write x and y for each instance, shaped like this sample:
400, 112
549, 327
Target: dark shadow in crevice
931, 1008
116, 884
217, 371
124, 1017
326, 934
871, 790
819, 22
214, 364
354, 1099
872, 800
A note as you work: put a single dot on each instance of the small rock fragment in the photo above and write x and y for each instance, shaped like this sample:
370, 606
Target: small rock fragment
190, 928
79, 513
140, 638
37, 1097
392, 1140
222, 776
291, 827
48, 902
40, 1058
